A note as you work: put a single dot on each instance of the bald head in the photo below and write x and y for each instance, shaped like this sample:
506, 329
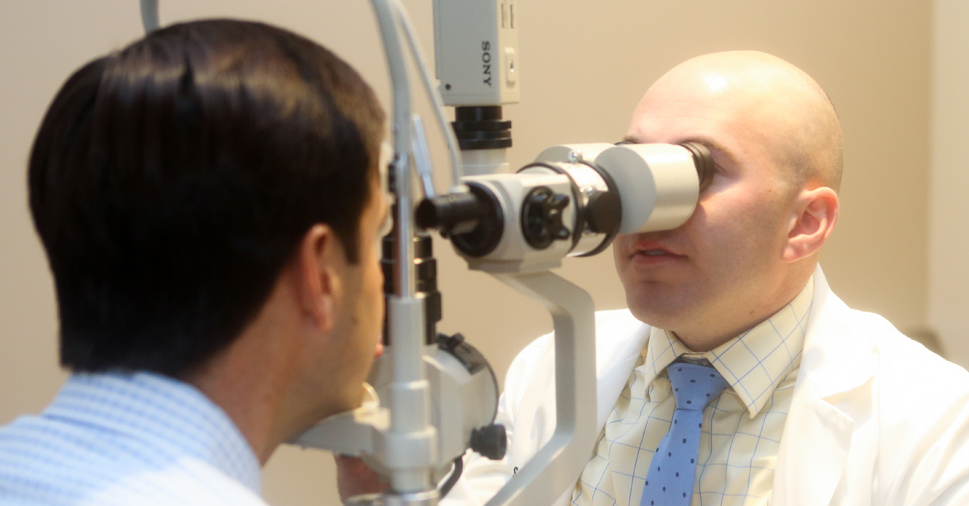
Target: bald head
777, 104
755, 236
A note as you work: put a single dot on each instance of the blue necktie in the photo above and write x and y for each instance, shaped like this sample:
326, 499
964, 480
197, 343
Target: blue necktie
669, 481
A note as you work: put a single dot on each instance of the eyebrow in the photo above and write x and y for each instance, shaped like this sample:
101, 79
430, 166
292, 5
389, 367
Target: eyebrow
710, 144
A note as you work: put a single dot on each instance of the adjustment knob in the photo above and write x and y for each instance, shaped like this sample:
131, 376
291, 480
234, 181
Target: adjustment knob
542, 217
450, 343
490, 441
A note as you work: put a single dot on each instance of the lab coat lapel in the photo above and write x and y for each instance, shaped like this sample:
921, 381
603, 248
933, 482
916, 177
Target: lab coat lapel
538, 402
619, 341
813, 452
615, 360
835, 365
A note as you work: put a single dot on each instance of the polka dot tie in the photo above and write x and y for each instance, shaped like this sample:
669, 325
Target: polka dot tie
669, 481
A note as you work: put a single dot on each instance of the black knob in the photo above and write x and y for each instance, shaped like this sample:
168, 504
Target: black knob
451, 343
542, 217
490, 441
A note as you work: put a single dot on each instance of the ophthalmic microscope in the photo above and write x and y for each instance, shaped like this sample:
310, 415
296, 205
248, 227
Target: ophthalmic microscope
433, 397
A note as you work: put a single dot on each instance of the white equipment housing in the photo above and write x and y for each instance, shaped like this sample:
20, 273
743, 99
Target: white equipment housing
476, 49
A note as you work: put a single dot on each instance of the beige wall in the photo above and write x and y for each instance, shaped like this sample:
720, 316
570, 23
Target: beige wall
948, 281
584, 66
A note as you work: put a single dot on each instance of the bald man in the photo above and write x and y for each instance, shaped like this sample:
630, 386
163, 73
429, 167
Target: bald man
820, 404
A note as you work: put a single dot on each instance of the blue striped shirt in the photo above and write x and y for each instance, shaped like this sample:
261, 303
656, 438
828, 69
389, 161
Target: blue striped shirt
127, 439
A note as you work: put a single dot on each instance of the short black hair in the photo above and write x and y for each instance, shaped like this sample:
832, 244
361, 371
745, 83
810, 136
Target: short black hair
170, 183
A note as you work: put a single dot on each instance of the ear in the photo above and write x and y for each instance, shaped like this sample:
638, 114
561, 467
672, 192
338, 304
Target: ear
815, 213
320, 264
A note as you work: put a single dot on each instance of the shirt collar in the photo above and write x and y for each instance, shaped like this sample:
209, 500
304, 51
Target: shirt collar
172, 418
753, 363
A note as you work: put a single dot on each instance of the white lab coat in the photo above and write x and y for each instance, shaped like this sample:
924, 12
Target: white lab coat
876, 419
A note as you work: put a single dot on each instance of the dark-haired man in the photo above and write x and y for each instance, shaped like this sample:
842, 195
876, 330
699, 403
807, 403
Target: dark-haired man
210, 204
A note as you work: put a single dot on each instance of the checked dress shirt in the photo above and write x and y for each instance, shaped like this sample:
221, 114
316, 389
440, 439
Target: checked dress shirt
742, 427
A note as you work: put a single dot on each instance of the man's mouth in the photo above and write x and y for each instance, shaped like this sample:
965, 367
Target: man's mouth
651, 254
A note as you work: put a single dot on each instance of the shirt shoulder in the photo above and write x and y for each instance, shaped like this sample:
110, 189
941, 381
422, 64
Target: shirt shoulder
190, 483
126, 440
895, 350
46, 462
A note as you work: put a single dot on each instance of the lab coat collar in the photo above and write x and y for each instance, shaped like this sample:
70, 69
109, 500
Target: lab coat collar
835, 359
835, 364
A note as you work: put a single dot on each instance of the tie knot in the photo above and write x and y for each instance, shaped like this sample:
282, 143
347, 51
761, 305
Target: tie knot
694, 385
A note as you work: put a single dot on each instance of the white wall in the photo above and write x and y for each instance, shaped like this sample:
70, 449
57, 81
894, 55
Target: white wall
948, 261
584, 66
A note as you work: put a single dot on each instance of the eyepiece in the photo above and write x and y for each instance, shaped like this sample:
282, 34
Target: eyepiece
703, 161
453, 213
473, 220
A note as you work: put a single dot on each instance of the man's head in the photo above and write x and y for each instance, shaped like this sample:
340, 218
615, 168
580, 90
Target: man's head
756, 234
174, 182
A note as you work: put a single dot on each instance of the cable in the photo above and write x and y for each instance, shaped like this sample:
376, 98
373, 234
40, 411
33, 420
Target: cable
387, 22
149, 15
455, 474
422, 159
431, 91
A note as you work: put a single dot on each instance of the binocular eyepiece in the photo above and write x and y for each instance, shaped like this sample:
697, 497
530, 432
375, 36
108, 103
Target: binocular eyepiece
573, 200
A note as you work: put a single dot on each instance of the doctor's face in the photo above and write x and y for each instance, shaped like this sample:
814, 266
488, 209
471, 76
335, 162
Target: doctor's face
707, 279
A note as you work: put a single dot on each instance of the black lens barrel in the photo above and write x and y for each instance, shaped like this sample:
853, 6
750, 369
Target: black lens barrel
481, 127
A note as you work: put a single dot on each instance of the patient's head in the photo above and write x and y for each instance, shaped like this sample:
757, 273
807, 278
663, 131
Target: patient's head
172, 180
